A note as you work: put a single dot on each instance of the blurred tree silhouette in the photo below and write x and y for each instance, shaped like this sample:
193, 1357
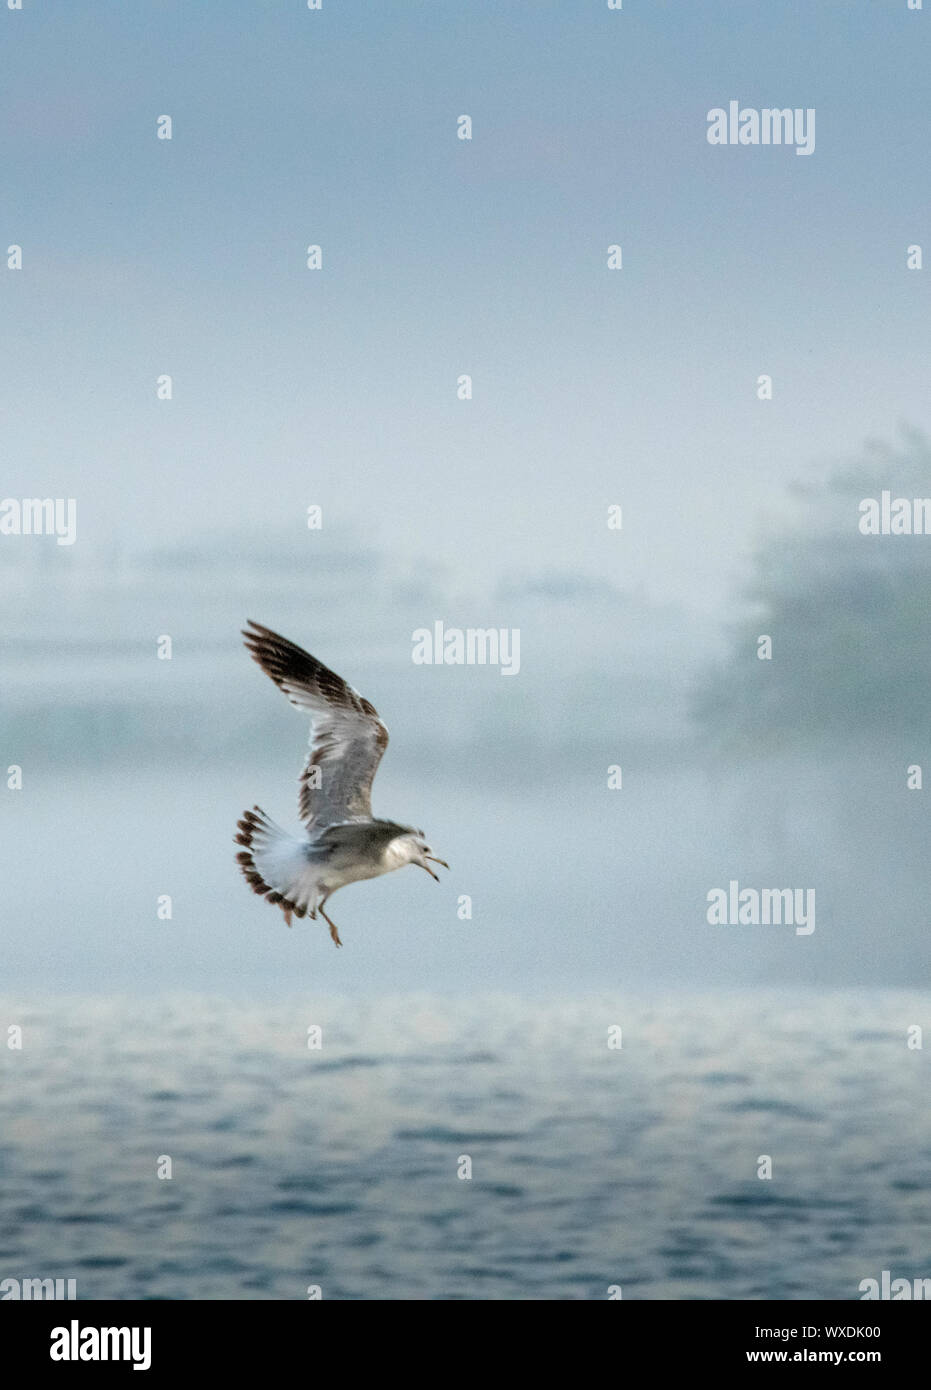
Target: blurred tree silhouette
849, 616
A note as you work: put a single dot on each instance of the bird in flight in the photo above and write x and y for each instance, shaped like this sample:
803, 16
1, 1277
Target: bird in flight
343, 842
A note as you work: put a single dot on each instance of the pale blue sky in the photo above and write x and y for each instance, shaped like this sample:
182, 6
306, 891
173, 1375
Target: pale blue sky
591, 387
441, 257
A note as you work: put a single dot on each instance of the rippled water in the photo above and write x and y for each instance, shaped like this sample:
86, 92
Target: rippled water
337, 1166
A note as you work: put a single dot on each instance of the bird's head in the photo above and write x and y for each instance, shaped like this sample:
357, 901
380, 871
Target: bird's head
413, 848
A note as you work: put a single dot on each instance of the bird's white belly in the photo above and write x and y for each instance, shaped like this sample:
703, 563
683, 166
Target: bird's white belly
337, 876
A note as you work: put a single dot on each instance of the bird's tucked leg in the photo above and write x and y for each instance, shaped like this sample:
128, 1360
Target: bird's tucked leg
330, 923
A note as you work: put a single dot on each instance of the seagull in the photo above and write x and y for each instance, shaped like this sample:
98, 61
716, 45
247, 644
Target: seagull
343, 843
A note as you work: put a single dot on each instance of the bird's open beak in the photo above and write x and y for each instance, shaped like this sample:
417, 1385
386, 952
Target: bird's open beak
432, 861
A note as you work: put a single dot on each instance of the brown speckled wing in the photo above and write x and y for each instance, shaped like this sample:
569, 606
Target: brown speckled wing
347, 738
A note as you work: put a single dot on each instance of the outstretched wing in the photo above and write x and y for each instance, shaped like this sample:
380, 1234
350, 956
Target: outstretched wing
347, 738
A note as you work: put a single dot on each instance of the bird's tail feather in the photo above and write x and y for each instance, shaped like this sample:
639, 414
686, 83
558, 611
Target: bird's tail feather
275, 864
